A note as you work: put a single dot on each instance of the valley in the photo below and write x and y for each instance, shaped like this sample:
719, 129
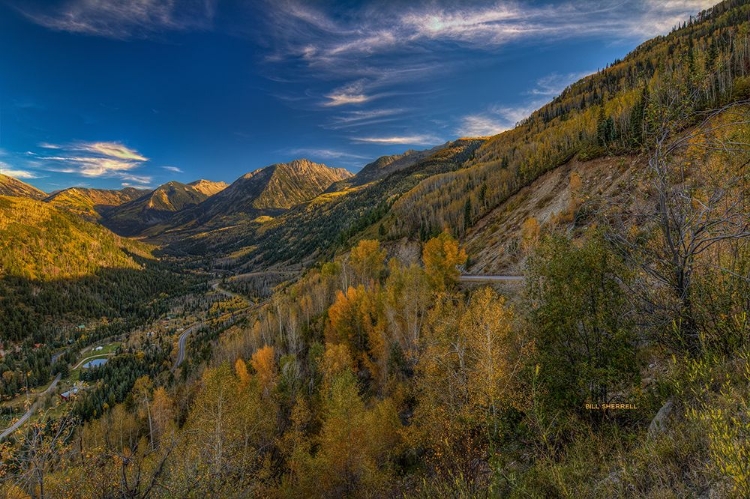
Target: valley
556, 310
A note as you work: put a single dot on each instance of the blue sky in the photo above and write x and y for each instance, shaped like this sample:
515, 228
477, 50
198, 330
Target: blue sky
139, 92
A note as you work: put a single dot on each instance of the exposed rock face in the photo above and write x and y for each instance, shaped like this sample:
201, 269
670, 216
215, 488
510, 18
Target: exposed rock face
208, 187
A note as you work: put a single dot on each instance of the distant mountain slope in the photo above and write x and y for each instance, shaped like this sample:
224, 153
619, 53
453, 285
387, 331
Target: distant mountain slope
92, 204
267, 191
284, 185
9, 186
385, 165
208, 187
41, 242
319, 226
156, 207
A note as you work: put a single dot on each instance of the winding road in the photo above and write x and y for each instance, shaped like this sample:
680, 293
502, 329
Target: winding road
31, 410
182, 342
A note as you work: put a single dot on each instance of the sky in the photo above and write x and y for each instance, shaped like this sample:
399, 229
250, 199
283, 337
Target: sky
116, 93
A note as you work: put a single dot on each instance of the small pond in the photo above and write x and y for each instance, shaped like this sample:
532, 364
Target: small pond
94, 363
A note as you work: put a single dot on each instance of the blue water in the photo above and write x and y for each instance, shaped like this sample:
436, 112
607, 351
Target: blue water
95, 363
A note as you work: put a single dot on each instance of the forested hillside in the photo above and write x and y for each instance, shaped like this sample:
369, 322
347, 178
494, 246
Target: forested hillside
39, 242
706, 63
155, 207
613, 112
58, 270
93, 204
315, 230
12, 187
619, 367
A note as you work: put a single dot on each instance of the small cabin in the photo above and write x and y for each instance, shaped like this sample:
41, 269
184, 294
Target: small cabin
69, 395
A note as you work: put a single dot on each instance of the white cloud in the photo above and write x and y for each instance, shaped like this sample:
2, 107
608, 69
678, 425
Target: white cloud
351, 42
94, 160
404, 140
173, 169
553, 84
141, 180
136, 185
16, 173
481, 125
111, 149
351, 119
497, 119
326, 153
122, 19
348, 94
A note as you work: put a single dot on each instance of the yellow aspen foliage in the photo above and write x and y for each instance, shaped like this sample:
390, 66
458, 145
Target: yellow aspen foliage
240, 369
336, 360
264, 363
367, 260
354, 445
344, 325
487, 327
357, 320
467, 367
574, 187
407, 299
162, 409
441, 256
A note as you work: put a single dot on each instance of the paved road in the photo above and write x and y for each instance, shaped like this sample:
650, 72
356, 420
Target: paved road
491, 278
31, 410
181, 344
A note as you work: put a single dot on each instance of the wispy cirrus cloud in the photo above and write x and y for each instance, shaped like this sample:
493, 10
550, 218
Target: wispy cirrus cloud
496, 119
499, 118
337, 44
121, 19
95, 160
481, 125
352, 93
328, 154
400, 140
351, 119
6, 169
361, 52
172, 169
553, 84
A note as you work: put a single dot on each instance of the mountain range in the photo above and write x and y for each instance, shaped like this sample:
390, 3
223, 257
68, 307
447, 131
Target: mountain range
314, 327
301, 211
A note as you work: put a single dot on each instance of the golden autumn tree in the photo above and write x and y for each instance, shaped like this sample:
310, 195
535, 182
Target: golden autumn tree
440, 428
487, 327
407, 299
529, 234
264, 363
367, 260
357, 320
441, 256
229, 428
355, 445
465, 381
